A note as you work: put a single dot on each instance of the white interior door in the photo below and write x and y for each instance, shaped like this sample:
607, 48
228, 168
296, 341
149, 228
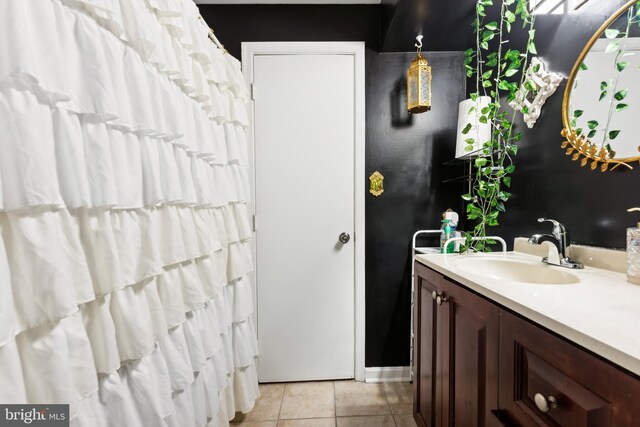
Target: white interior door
304, 145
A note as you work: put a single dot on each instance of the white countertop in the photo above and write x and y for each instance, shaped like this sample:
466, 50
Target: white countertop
600, 313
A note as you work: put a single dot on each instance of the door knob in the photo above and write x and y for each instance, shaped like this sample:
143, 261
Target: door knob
344, 237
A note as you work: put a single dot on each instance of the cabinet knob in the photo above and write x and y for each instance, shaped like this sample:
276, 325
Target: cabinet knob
545, 404
441, 298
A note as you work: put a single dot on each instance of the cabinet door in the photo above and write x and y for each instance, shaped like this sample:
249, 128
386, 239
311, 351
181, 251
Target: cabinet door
573, 387
456, 354
470, 356
427, 394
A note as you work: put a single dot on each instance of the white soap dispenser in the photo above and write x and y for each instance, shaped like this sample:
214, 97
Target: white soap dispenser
633, 252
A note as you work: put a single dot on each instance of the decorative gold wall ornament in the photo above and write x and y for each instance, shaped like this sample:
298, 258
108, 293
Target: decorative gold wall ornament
579, 146
376, 184
419, 82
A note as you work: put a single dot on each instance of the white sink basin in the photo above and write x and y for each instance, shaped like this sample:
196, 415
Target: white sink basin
515, 270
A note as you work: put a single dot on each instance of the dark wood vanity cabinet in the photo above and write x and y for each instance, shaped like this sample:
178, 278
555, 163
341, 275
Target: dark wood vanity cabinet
572, 386
457, 335
477, 364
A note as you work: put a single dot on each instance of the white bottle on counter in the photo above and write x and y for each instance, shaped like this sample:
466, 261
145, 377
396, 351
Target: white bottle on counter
633, 252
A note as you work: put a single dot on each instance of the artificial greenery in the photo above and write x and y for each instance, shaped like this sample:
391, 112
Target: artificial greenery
498, 69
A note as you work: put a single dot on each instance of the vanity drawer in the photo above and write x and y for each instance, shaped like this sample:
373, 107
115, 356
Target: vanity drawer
547, 381
554, 397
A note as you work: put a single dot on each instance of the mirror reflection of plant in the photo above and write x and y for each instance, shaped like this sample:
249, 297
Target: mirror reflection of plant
496, 74
609, 90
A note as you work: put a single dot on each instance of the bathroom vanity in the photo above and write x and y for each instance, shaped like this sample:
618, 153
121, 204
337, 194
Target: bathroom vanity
503, 340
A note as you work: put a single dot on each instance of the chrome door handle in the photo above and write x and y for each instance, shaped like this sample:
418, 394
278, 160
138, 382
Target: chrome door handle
344, 237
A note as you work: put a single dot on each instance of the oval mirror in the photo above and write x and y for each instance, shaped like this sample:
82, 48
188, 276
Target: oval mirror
601, 107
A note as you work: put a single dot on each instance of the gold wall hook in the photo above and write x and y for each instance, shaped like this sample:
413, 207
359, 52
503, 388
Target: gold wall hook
376, 184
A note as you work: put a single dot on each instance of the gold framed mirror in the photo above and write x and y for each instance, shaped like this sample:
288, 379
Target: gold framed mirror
602, 100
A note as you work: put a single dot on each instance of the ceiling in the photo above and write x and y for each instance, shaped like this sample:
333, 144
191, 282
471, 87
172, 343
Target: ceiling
288, 1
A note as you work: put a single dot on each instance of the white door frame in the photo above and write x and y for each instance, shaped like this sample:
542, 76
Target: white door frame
356, 49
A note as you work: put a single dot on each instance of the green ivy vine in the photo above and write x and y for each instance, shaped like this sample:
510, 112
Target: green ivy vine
499, 71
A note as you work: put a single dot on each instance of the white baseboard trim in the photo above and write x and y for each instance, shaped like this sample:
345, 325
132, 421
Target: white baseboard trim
390, 374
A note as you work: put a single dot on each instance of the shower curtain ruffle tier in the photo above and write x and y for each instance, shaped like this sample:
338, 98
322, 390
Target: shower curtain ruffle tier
124, 251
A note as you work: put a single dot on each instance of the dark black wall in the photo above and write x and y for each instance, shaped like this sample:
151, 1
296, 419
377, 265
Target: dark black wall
547, 183
411, 157
234, 24
408, 153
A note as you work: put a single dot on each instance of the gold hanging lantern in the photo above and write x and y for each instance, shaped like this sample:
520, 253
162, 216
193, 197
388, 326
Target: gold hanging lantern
419, 83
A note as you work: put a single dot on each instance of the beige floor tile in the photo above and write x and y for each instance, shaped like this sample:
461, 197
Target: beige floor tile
312, 422
405, 420
267, 406
370, 421
254, 424
400, 397
308, 400
358, 398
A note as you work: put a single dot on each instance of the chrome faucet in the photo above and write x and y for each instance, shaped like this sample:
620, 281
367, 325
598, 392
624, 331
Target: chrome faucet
559, 239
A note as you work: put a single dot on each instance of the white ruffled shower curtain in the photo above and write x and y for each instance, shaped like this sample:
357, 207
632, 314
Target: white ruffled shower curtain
124, 250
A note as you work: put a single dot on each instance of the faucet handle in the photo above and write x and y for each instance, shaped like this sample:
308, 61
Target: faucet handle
553, 221
558, 227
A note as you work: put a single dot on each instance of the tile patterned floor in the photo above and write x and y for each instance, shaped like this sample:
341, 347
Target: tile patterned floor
331, 404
